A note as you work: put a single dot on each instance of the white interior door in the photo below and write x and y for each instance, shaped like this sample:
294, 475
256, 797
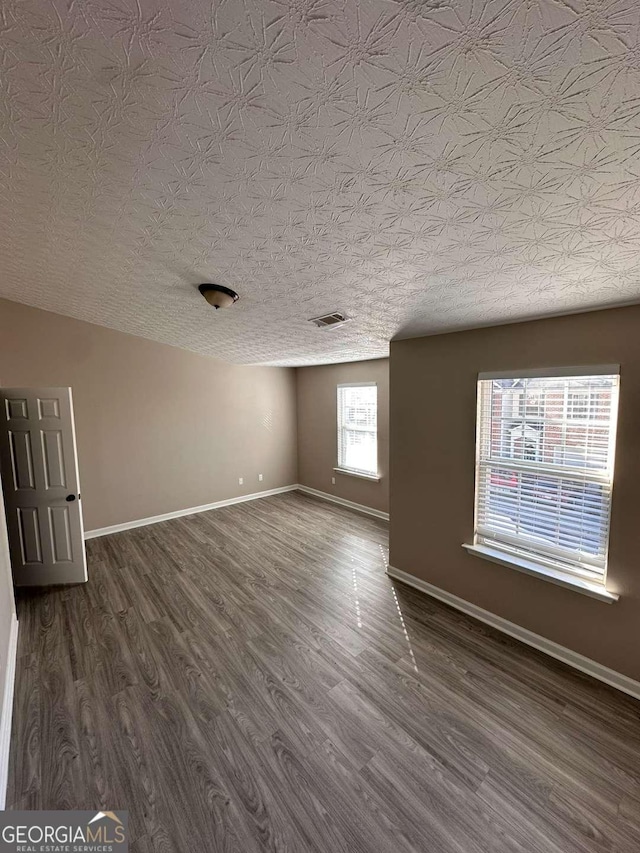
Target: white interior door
39, 466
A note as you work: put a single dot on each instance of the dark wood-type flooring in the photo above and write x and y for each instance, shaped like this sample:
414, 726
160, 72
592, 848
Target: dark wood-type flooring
249, 679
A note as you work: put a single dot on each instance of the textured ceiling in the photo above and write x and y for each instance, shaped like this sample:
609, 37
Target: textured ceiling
420, 165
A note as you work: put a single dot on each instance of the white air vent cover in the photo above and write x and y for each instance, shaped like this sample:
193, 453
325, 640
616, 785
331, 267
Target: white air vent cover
335, 319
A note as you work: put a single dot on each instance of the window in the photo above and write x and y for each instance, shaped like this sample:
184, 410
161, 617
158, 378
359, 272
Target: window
358, 429
525, 442
545, 450
578, 404
531, 403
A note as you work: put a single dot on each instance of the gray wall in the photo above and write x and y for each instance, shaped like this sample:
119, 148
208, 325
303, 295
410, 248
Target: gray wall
432, 476
317, 430
159, 429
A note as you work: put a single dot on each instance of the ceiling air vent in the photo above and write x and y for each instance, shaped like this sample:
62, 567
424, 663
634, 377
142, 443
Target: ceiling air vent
335, 319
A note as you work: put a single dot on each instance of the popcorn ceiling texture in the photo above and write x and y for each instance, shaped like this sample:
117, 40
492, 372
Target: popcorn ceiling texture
420, 166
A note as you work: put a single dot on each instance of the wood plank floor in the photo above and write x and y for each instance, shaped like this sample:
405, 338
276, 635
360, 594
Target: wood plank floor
249, 679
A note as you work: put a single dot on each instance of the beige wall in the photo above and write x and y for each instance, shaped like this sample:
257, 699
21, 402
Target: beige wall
317, 430
158, 428
432, 482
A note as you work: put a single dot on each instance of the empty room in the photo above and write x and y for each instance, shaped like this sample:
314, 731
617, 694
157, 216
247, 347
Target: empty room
319, 426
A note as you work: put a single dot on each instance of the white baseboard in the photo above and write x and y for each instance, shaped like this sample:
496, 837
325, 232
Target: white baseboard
577, 661
325, 496
179, 513
6, 710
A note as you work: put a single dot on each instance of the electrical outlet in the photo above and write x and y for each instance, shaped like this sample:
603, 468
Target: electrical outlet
260, 477
241, 481
333, 481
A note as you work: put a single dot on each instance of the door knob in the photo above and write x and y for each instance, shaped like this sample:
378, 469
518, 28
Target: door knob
71, 498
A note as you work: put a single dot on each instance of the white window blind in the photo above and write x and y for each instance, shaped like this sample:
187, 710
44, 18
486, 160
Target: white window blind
545, 468
358, 428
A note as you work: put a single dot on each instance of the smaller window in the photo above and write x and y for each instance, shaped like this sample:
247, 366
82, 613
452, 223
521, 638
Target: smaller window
358, 428
525, 443
532, 404
578, 404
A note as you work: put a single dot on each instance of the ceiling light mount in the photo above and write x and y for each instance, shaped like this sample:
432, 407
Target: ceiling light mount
217, 295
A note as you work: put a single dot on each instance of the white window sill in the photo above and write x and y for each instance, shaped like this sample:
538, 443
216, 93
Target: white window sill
536, 570
372, 477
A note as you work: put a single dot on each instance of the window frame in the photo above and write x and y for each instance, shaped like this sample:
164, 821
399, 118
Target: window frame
343, 468
520, 553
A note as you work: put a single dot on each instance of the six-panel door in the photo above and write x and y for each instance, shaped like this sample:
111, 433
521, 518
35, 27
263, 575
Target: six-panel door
39, 466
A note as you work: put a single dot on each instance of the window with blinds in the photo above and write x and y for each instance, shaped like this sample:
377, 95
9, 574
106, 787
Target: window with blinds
358, 428
545, 451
